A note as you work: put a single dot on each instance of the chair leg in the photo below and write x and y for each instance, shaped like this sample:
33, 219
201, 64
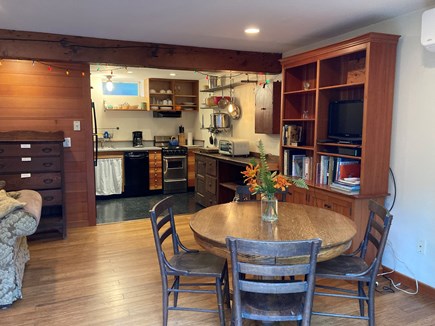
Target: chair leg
176, 286
371, 305
220, 301
361, 301
227, 289
165, 303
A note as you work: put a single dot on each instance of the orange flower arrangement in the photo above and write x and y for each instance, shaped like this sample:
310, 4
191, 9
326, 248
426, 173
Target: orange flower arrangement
262, 181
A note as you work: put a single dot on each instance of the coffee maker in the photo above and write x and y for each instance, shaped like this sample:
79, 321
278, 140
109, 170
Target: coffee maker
137, 138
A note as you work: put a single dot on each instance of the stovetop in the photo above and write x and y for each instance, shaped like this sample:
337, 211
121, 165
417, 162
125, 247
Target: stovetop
167, 149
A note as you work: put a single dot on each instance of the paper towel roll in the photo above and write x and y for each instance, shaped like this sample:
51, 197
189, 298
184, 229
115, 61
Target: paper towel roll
189, 139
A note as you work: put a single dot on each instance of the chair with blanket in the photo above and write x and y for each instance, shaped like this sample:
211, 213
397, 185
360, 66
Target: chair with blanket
19, 217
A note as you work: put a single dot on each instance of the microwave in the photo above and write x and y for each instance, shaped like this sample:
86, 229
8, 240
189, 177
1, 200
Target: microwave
234, 147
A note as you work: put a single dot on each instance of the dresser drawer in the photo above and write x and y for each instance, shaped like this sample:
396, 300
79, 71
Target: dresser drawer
211, 166
51, 197
210, 184
29, 149
36, 181
29, 164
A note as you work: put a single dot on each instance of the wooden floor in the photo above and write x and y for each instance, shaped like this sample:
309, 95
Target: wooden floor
108, 275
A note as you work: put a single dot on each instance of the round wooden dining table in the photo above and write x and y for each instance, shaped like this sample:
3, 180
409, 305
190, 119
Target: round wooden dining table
213, 224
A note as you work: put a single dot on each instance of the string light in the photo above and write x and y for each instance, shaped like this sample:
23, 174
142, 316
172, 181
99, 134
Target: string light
49, 68
67, 72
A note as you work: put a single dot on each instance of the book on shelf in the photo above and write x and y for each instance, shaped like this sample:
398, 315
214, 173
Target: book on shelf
297, 165
291, 134
307, 171
288, 158
350, 190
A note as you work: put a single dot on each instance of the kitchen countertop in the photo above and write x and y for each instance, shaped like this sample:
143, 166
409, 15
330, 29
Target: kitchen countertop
242, 160
128, 149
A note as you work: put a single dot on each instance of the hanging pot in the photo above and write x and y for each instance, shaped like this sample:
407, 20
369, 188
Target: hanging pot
221, 120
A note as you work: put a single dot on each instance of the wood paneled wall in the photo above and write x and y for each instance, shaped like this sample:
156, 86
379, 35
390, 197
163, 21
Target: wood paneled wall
44, 97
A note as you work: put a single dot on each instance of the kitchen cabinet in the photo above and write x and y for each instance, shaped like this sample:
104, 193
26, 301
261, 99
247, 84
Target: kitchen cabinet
155, 170
206, 180
267, 117
34, 160
191, 167
172, 94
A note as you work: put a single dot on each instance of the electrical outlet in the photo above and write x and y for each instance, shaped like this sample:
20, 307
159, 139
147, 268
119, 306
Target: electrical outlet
76, 125
67, 142
421, 247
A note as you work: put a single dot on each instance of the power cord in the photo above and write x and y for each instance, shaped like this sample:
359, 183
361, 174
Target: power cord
396, 285
395, 189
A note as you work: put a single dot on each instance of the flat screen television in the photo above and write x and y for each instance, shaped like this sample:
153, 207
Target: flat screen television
345, 120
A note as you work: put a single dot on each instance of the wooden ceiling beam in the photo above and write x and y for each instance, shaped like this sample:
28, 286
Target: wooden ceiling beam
55, 47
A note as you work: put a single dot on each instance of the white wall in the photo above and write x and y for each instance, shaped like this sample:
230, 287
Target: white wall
412, 149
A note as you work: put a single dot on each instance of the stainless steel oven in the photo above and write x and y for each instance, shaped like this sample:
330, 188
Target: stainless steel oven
174, 173
174, 165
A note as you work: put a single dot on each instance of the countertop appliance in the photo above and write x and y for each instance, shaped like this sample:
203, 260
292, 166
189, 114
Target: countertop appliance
234, 147
137, 139
136, 173
174, 165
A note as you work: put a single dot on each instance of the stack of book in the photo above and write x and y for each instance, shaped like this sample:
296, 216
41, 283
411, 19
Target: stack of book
350, 186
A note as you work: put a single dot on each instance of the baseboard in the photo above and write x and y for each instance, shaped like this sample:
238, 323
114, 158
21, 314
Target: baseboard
409, 282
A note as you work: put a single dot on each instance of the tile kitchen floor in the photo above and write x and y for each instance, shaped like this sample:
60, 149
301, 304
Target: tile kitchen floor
123, 209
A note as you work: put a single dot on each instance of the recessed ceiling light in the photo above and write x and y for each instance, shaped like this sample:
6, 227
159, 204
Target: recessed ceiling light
172, 74
252, 30
129, 72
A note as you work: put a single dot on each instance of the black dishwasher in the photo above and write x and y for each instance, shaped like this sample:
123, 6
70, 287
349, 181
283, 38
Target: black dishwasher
136, 174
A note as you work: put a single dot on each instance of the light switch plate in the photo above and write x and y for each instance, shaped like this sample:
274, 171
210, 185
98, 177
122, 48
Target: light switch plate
67, 142
76, 125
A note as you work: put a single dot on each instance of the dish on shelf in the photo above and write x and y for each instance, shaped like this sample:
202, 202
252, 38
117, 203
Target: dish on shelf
166, 108
188, 103
154, 108
152, 91
162, 91
168, 91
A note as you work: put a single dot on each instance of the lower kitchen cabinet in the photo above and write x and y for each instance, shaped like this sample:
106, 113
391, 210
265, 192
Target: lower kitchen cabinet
191, 168
34, 160
155, 170
206, 180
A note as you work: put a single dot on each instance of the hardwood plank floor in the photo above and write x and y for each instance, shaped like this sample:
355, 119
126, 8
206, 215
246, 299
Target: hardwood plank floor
109, 275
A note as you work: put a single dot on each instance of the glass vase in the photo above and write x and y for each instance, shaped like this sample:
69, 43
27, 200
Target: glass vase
269, 208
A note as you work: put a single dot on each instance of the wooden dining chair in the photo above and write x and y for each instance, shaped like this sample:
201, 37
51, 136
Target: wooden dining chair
259, 292
353, 267
187, 263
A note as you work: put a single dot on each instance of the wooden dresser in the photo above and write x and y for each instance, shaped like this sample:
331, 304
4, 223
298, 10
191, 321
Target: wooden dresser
34, 160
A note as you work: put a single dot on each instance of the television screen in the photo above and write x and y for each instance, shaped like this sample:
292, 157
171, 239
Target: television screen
345, 120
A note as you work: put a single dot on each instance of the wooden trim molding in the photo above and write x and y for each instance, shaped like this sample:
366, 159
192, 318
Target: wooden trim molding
409, 282
56, 47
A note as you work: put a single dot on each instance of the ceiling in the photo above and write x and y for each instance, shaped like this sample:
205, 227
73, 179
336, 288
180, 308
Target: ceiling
284, 24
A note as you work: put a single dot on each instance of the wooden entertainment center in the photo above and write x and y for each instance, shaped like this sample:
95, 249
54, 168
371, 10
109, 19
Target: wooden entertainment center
362, 68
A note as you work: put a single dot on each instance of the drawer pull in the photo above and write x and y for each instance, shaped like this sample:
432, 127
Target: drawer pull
47, 150
48, 181
48, 164
48, 198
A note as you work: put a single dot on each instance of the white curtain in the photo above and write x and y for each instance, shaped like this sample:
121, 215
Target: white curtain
108, 176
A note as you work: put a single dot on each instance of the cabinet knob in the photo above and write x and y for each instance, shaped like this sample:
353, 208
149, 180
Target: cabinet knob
47, 150
48, 198
48, 164
48, 181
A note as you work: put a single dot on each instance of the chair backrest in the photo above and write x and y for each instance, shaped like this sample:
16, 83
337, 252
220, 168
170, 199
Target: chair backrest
164, 229
268, 259
378, 227
243, 194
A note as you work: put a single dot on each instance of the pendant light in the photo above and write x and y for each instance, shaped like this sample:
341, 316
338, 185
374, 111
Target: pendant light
109, 83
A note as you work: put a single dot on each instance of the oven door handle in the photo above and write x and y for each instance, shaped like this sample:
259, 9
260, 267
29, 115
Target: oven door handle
165, 165
174, 157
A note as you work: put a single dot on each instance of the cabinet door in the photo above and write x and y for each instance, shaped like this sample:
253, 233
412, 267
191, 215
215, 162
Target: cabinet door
267, 113
297, 195
211, 167
191, 169
322, 199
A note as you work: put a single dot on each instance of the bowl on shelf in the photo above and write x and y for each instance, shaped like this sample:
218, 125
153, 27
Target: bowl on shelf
162, 91
153, 91
168, 91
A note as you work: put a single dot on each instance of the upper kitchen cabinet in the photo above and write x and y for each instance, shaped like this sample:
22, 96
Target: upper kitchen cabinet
267, 109
172, 94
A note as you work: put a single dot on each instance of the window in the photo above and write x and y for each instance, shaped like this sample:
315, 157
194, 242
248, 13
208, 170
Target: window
127, 89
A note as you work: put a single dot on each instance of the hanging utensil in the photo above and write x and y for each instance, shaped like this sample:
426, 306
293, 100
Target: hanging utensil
223, 102
232, 108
